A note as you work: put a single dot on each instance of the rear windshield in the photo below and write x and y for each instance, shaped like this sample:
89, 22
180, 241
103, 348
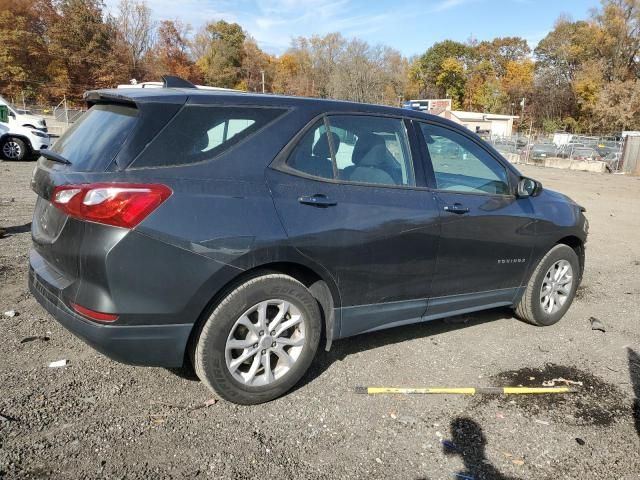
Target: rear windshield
200, 133
93, 141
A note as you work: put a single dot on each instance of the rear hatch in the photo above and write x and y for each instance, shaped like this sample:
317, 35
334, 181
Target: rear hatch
99, 147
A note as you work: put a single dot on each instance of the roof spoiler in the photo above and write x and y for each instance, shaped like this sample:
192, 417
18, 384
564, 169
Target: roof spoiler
171, 81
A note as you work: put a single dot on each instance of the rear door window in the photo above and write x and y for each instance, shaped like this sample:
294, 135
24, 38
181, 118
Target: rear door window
312, 154
94, 140
202, 132
356, 148
370, 149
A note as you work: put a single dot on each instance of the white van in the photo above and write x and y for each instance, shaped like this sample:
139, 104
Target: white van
23, 119
18, 142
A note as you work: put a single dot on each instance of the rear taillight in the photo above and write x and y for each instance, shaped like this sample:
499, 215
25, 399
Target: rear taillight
93, 315
119, 204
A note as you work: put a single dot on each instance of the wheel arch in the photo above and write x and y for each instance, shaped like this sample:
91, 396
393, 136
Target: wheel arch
577, 244
25, 139
321, 287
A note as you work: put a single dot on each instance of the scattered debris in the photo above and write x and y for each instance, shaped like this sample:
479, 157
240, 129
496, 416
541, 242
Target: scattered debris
596, 324
10, 313
58, 364
190, 408
517, 461
580, 441
378, 460
449, 445
7, 418
552, 383
408, 420
541, 422
37, 337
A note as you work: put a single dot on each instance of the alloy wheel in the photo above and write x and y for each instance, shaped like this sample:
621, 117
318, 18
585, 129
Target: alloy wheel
12, 150
265, 342
556, 287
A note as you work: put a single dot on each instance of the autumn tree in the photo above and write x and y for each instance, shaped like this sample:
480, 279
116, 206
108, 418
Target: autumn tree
24, 56
618, 106
81, 42
135, 34
255, 64
172, 52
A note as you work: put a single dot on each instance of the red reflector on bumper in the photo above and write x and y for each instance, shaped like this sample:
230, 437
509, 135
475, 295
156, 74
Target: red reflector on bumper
93, 315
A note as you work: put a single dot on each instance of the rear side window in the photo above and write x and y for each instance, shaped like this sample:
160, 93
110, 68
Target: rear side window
95, 139
199, 133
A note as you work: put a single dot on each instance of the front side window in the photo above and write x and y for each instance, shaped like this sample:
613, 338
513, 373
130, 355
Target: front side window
201, 132
461, 165
356, 148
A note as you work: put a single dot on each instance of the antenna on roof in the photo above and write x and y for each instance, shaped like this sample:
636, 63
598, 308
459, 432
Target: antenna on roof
171, 81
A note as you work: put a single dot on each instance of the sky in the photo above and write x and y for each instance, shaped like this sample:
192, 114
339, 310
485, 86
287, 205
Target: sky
410, 26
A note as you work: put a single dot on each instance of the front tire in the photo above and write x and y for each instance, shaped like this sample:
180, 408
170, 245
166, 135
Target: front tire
14, 149
259, 341
551, 288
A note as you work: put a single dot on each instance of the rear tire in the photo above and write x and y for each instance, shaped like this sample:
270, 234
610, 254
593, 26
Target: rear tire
245, 354
551, 288
14, 148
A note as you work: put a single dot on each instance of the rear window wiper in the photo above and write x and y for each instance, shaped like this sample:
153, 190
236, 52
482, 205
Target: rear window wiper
54, 156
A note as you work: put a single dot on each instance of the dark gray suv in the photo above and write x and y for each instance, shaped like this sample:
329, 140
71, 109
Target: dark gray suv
236, 232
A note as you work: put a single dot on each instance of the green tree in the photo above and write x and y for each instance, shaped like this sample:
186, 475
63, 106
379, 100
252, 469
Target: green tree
429, 66
221, 62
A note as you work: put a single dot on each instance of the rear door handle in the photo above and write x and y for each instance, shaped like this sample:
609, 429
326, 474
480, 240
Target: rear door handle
456, 208
317, 200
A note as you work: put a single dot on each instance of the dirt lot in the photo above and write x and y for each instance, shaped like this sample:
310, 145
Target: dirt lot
98, 418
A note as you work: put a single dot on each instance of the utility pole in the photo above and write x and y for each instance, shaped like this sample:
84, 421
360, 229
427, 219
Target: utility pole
262, 73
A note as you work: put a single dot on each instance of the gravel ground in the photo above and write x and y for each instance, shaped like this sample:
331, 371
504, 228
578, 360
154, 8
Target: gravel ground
96, 418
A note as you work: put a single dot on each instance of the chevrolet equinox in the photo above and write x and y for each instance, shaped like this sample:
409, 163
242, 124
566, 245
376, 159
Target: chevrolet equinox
236, 232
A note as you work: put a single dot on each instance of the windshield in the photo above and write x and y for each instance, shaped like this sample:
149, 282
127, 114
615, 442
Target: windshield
94, 140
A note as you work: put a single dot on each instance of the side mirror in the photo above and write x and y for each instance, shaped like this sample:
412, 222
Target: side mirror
528, 187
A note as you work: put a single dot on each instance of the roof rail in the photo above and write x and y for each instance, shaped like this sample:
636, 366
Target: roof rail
171, 81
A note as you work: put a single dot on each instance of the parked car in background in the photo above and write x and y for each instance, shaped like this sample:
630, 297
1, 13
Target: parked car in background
566, 150
584, 153
541, 151
236, 231
26, 120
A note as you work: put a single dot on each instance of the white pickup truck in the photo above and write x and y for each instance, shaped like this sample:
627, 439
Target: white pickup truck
18, 141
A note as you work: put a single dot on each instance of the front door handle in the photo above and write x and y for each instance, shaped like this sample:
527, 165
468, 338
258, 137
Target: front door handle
456, 208
317, 200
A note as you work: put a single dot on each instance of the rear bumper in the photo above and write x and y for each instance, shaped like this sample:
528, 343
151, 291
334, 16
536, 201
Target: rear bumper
149, 345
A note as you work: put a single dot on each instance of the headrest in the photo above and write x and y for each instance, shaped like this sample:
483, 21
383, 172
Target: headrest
365, 143
321, 148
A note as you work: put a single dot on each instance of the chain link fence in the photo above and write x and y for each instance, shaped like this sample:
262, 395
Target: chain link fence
541, 149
